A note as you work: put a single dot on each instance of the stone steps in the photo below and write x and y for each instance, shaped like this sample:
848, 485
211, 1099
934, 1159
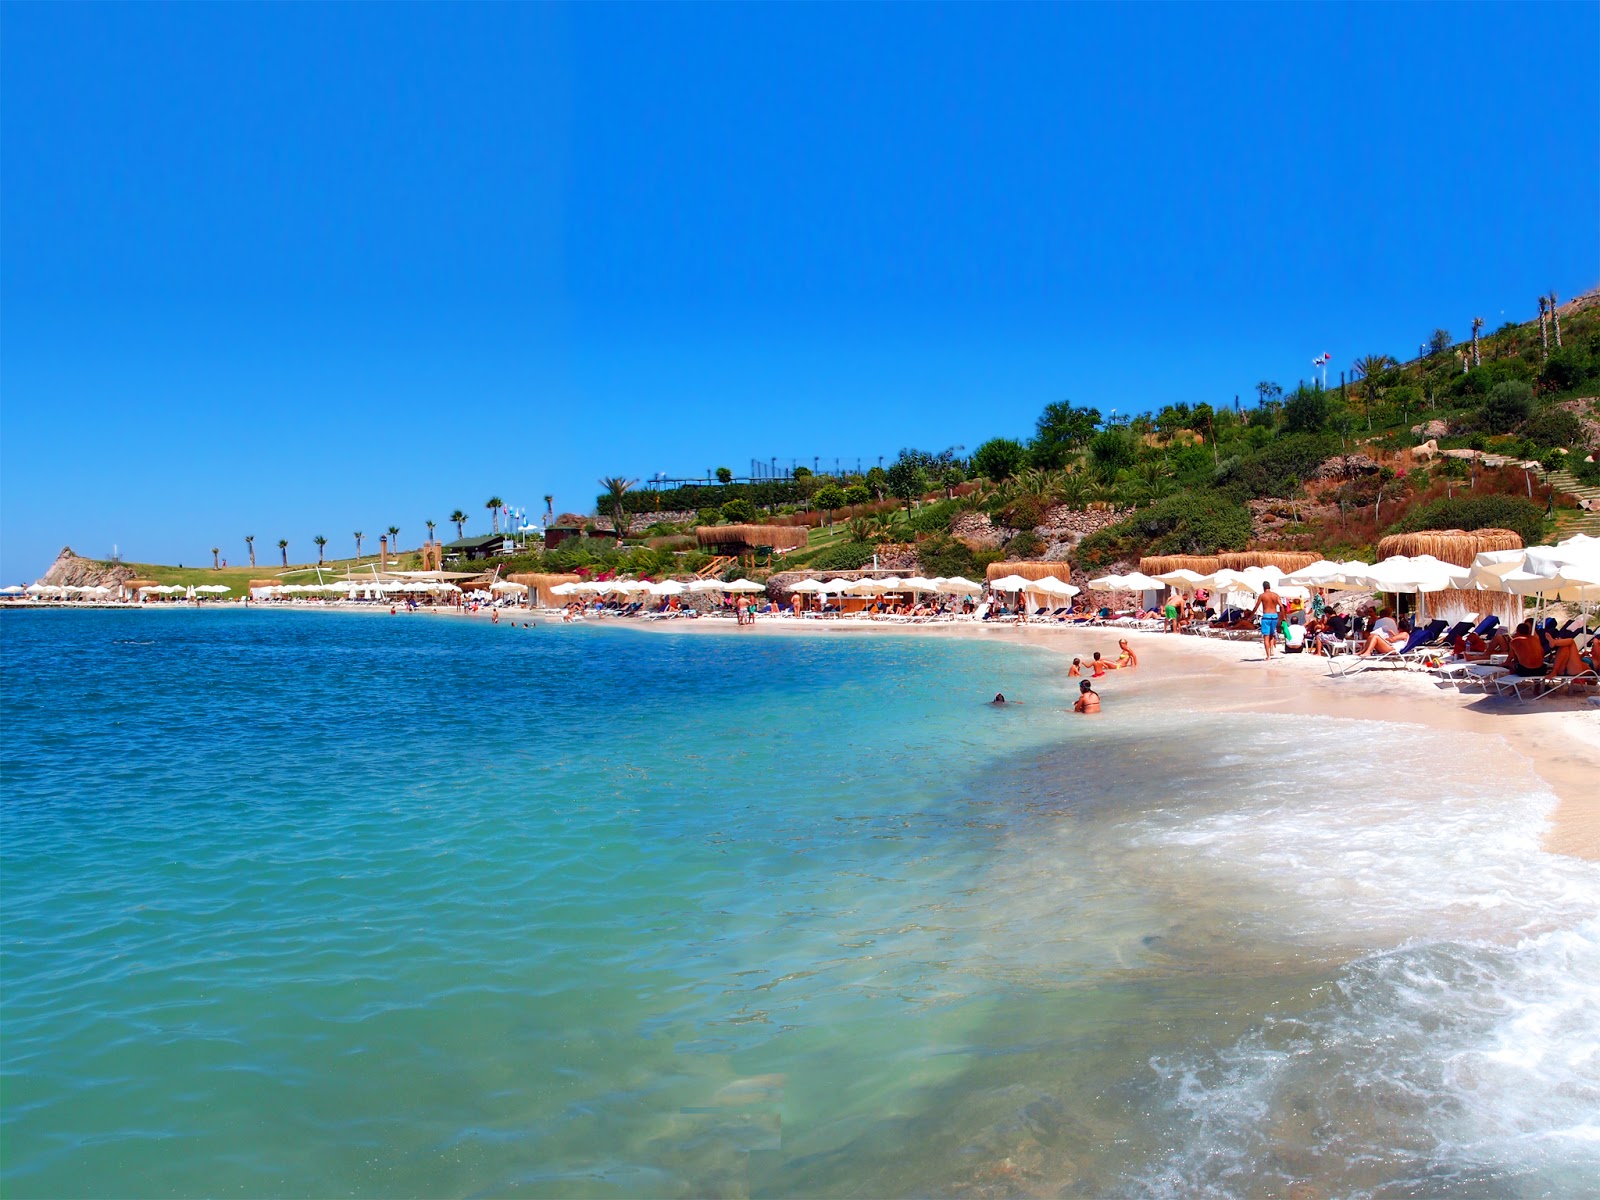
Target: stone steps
1568, 524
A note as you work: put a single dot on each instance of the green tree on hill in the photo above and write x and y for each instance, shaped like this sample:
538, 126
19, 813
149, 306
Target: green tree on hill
618, 487
459, 520
829, 497
724, 475
1369, 367
858, 493
999, 459
738, 511
877, 481
907, 481
321, 542
1061, 431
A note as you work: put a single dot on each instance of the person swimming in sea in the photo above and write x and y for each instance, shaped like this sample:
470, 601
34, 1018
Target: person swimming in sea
1088, 699
1000, 701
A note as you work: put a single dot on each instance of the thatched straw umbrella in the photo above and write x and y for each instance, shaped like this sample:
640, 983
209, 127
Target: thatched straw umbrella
1459, 547
748, 537
1284, 560
1029, 570
539, 584
1200, 564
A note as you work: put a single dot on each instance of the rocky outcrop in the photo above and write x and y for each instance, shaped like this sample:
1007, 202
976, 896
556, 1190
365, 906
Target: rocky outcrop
1431, 429
1346, 466
978, 531
69, 570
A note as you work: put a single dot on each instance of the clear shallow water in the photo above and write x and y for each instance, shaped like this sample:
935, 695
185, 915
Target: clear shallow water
314, 904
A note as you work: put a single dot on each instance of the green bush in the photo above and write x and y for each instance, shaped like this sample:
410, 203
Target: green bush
1567, 369
1522, 517
1278, 467
933, 518
1307, 411
1114, 449
1192, 523
1552, 427
944, 556
849, 556
1025, 544
738, 511
858, 493
1508, 405
1586, 472
1022, 513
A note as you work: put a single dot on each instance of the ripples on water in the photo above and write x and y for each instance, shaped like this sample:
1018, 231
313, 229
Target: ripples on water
324, 903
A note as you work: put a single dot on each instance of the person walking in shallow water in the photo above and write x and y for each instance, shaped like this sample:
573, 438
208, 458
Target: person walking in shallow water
1270, 605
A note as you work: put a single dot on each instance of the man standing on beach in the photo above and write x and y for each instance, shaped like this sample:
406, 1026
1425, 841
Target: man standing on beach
1270, 605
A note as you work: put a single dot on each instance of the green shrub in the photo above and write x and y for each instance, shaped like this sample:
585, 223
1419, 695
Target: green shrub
1192, 523
1586, 472
738, 511
1307, 411
1025, 544
1113, 449
1277, 468
1553, 427
1022, 513
1508, 405
1567, 369
944, 556
1522, 517
933, 518
858, 493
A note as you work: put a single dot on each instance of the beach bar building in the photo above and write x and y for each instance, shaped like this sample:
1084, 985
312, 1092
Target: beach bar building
486, 546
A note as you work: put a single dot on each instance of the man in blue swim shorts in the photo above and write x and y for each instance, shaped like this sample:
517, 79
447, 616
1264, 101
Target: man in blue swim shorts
1270, 605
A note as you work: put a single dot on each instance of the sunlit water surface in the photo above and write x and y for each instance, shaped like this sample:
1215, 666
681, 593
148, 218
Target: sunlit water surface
340, 904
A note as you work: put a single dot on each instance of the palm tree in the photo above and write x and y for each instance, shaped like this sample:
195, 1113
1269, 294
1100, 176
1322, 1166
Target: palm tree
215, 550
394, 539
549, 504
321, 542
1477, 358
459, 518
1544, 324
1369, 367
283, 549
429, 524
1555, 319
250, 541
358, 535
493, 504
618, 487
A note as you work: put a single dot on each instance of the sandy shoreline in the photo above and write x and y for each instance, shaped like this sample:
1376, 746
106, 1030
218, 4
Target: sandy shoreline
1559, 737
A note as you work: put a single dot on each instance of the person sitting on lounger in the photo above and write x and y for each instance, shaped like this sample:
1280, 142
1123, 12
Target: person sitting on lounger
1088, 699
1568, 661
1526, 652
1378, 644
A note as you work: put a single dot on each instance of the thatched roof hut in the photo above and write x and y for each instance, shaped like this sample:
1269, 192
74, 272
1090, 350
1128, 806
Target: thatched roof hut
748, 537
1030, 570
1200, 564
1284, 560
1459, 547
1449, 545
261, 583
539, 584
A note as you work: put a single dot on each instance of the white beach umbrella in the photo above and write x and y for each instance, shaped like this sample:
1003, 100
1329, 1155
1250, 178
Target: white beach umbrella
809, 586
1182, 579
564, 589
1109, 583
215, 589
39, 589
705, 585
919, 584
669, 588
743, 585
957, 586
505, 585
837, 585
865, 587
1051, 586
16, 589
1010, 583
893, 583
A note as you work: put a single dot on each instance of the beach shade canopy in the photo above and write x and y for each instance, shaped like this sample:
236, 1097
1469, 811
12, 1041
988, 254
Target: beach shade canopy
1422, 573
957, 586
564, 589
505, 585
36, 589
866, 587
215, 589
670, 588
1525, 583
1111, 583
1010, 583
918, 583
16, 589
837, 585
1051, 586
742, 585
809, 585
1183, 579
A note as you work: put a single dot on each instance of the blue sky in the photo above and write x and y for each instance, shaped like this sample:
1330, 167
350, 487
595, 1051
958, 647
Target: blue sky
300, 269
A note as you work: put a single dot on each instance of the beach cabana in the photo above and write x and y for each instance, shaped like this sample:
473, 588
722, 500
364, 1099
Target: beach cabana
740, 540
1461, 549
539, 584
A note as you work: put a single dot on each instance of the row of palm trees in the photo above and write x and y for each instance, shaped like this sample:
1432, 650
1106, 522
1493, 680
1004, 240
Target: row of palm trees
458, 518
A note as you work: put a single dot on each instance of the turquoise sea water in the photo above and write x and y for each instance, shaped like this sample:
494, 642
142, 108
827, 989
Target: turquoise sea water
313, 904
